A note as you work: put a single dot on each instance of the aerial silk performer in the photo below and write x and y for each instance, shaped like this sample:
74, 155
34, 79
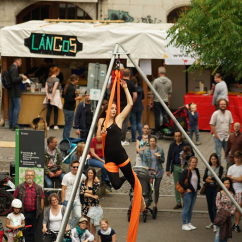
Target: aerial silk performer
109, 130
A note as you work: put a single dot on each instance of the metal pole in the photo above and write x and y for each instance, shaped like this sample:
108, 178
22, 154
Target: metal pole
85, 152
182, 130
69, 154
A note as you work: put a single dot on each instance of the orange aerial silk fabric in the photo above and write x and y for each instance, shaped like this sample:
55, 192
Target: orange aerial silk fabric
114, 168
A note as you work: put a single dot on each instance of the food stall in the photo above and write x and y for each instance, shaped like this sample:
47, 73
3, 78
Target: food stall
72, 45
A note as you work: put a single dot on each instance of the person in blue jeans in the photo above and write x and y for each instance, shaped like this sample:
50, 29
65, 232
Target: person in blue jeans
224, 202
69, 95
193, 121
136, 111
52, 162
191, 187
97, 160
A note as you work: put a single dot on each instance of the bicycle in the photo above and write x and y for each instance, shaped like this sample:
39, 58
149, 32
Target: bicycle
18, 237
67, 236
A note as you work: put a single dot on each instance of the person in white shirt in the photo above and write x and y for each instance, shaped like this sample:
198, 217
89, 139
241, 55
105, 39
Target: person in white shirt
221, 124
235, 174
67, 185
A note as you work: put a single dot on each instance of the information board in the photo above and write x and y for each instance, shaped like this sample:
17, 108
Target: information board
29, 154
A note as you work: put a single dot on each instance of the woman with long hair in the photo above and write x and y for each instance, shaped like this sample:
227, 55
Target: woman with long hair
211, 187
89, 197
223, 202
52, 98
114, 153
70, 98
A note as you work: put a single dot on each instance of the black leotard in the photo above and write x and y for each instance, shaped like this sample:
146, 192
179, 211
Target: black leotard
114, 151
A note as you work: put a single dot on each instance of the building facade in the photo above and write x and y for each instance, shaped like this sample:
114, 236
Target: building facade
136, 11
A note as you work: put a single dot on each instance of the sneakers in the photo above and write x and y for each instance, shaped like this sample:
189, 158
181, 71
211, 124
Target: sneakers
56, 127
214, 228
186, 227
123, 143
209, 226
198, 143
191, 226
178, 206
48, 128
108, 187
131, 140
236, 228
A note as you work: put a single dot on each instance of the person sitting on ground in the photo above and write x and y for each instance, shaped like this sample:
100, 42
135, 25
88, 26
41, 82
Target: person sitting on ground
185, 155
153, 158
142, 143
97, 160
78, 154
81, 233
89, 197
53, 165
211, 187
53, 217
106, 234
15, 220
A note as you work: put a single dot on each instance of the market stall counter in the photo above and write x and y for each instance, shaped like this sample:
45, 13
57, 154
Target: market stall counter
205, 108
31, 106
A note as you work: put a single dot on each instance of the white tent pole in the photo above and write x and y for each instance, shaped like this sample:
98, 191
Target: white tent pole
85, 152
182, 130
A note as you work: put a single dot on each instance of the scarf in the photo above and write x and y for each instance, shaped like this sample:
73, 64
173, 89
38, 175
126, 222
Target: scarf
107, 232
51, 156
79, 231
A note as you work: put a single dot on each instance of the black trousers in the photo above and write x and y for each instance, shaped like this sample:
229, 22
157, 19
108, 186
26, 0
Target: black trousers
29, 233
49, 110
49, 237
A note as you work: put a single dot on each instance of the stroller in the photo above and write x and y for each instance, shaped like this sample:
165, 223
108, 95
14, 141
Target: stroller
146, 178
168, 127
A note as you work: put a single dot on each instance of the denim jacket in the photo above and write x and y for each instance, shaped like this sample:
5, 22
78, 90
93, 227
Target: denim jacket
147, 158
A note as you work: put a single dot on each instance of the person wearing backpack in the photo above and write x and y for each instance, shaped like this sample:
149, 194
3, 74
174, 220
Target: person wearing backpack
15, 93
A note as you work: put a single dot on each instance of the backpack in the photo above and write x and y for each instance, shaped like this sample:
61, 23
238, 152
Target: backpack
6, 80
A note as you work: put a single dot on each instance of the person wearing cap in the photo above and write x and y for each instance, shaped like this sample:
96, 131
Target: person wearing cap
163, 86
81, 233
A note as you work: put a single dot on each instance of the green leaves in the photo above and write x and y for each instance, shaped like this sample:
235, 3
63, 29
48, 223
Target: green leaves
213, 29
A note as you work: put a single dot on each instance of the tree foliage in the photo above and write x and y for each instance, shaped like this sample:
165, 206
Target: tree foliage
213, 30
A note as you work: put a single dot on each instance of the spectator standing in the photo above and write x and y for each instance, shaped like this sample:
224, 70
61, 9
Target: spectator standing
52, 98
123, 103
97, 160
53, 165
53, 217
142, 143
235, 174
15, 93
88, 191
191, 189
106, 234
211, 187
193, 121
163, 86
221, 123
32, 197
83, 117
67, 186
69, 95
234, 144
136, 111
1, 231
153, 158
174, 163
223, 202
220, 91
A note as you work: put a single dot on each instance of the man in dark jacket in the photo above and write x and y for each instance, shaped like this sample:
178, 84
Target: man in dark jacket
83, 117
174, 163
15, 93
32, 197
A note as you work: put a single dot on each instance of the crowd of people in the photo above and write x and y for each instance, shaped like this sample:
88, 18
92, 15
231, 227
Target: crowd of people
181, 161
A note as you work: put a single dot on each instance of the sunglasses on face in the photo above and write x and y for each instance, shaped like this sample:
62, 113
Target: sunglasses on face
75, 167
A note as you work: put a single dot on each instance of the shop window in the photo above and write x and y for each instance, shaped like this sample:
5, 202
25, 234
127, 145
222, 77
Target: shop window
174, 15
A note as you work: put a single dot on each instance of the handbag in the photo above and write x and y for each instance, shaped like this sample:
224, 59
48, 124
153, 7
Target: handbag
179, 188
54, 168
202, 192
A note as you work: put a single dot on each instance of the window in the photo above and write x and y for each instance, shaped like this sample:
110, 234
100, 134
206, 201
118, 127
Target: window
174, 15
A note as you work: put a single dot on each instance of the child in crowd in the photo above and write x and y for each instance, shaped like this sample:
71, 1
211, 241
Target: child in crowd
106, 234
185, 155
1, 231
81, 233
193, 121
15, 219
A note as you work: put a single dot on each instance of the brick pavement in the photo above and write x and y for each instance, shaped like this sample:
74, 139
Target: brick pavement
167, 186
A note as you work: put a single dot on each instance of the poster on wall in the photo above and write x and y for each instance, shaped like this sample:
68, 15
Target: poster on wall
29, 155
